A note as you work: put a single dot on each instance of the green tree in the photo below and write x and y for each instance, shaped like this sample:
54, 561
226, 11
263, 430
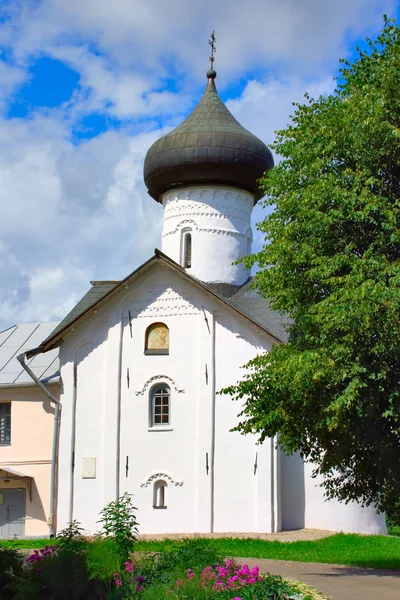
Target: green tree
331, 262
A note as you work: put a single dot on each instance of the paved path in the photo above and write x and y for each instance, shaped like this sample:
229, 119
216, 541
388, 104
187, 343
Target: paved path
336, 581
279, 536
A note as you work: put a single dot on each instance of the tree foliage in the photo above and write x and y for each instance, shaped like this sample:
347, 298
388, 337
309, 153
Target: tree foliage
331, 262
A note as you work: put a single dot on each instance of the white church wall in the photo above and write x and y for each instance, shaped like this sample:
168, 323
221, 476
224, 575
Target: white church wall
176, 454
244, 470
338, 516
292, 491
167, 453
218, 219
84, 352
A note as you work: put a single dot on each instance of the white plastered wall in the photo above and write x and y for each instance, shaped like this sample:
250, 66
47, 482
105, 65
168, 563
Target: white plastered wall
176, 454
218, 219
338, 516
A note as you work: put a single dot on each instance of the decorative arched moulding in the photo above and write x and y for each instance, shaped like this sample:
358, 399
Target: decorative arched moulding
156, 476
160, 379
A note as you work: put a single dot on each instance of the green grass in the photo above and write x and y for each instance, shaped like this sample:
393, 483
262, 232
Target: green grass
28, 544
374, 551
395, 530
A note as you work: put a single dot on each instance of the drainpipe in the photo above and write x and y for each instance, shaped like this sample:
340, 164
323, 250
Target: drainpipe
213, 399
21, 358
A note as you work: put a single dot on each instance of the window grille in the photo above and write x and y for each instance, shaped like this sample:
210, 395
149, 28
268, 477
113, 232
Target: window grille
160, 406
5, 423
187, 253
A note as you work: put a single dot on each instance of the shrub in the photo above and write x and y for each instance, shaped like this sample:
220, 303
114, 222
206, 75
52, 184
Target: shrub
10, 570
60, 572
119, 523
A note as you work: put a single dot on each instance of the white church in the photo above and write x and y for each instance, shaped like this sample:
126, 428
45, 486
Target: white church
142, 361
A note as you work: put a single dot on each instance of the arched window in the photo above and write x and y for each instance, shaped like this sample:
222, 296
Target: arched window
160, 405
160, 494
187, 250
157, 339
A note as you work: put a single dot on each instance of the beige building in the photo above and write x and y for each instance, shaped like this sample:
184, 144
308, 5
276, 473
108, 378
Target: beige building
26, 433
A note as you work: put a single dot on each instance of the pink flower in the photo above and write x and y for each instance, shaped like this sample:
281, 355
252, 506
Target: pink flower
118, 582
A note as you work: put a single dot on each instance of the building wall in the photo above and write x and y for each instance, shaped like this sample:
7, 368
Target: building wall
218, 219
204, 356
30, 450
338, 516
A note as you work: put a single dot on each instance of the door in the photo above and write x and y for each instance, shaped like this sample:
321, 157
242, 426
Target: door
12, 513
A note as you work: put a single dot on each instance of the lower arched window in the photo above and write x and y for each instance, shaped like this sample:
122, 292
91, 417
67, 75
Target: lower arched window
160, 405
160, 494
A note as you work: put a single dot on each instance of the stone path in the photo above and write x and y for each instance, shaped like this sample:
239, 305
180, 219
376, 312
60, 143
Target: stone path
280, 536
336, 581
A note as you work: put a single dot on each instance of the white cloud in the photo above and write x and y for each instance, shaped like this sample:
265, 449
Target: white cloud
11, 78
140, 32
71, 213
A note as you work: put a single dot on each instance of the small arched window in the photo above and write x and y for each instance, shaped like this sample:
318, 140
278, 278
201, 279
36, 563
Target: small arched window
160, 406
157, 339
160, 494
187, 250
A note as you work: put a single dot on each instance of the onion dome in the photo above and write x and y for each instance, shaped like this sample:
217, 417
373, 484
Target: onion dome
209, 147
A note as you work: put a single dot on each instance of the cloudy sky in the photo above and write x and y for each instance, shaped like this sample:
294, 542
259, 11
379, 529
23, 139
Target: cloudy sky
87, 85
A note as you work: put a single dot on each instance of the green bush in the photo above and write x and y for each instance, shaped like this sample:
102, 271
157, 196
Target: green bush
61, 572
10, 570
119, 523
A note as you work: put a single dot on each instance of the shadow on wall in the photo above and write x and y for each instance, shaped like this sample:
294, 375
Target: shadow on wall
34, 509
292, 492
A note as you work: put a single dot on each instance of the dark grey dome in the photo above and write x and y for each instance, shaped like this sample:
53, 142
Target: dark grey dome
209, 147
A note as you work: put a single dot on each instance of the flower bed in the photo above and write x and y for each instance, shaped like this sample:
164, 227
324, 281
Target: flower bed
106, 568
226, 581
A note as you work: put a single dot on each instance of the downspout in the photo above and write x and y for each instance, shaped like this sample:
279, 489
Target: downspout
73, 435
213, 392
21, 358
119, 397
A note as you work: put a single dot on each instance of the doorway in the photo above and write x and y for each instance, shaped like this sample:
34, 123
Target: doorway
12, 513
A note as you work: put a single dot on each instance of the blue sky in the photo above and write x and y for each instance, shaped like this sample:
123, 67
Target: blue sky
86, 87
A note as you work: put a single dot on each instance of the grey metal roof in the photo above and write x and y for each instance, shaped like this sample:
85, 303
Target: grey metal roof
19, 338
209, 147
95, 294
248, 301
226, 290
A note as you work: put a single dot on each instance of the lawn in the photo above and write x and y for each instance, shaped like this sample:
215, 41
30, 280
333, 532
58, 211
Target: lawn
374, 551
